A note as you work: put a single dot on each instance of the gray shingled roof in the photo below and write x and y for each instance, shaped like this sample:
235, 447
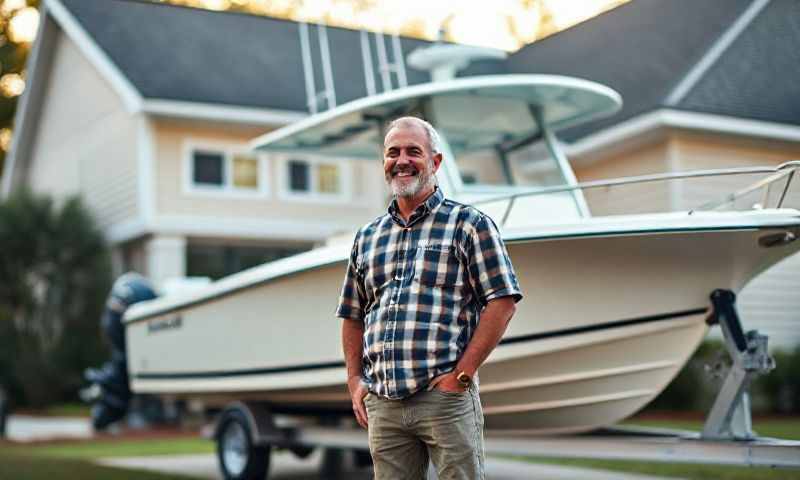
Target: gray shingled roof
642, 49
758, 76
180, 53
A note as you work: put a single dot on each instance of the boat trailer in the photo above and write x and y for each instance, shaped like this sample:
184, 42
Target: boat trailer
246, 432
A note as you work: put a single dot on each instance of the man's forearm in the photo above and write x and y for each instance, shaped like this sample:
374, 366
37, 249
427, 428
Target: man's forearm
352, 341
352, 344
493, 323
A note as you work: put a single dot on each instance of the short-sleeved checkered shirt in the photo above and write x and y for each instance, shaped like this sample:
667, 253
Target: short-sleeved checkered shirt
419, 287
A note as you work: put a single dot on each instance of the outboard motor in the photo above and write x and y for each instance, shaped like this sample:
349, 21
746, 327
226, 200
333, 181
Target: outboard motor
109, 390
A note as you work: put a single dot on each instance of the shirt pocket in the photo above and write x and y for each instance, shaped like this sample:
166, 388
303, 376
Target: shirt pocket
437, 265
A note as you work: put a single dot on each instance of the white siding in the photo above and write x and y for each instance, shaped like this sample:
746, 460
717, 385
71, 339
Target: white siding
85, 141
642, 198
770, 303
305, 219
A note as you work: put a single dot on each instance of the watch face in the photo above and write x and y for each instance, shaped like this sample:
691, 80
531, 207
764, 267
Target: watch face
463, 378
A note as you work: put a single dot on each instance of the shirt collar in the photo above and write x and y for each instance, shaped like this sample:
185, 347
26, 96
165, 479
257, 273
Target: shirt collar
426, 207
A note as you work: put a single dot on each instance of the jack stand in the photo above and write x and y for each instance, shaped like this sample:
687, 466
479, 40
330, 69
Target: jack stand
729, 418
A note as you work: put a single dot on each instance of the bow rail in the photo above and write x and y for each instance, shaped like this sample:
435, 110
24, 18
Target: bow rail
772, 197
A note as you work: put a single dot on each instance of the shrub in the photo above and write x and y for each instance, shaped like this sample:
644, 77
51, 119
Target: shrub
695, 389
55, 274
781, 388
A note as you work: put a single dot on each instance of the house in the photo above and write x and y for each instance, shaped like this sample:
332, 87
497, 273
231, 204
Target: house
711, 84
145, 109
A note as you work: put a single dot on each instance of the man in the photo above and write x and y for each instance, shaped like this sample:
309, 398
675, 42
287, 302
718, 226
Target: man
419, 280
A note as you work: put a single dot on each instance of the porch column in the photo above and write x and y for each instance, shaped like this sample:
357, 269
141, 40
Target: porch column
165, 258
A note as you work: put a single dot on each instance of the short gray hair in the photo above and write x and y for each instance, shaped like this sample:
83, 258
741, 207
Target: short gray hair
434, 142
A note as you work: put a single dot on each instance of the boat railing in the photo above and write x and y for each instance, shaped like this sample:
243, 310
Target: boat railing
774, 186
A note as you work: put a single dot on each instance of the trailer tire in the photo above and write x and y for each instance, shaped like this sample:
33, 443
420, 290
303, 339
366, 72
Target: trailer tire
239, 457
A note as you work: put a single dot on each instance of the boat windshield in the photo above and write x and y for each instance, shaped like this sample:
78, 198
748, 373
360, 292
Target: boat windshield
495, 142
528, 165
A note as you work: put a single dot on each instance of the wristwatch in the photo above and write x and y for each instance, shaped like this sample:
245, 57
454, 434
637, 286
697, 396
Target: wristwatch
464, 379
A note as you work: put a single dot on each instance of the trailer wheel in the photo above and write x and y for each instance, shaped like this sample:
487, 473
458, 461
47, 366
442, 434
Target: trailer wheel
239, 458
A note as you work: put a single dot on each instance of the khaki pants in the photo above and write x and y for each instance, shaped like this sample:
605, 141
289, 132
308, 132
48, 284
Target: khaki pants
445, 428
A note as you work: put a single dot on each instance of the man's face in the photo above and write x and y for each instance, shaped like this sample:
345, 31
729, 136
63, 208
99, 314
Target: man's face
408, 163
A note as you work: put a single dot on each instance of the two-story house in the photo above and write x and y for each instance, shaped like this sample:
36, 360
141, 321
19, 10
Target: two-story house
146, 109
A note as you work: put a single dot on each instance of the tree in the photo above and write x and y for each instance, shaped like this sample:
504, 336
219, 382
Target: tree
54, 276
15, 16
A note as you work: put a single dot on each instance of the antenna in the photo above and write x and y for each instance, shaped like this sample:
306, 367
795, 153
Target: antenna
328, 94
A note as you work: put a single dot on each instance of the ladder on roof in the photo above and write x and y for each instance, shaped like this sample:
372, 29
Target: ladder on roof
386, 66
391, 66
326, 96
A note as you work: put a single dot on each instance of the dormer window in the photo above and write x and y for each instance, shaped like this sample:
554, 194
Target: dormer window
227, 169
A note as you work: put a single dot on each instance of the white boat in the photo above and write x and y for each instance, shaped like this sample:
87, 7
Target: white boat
614, 305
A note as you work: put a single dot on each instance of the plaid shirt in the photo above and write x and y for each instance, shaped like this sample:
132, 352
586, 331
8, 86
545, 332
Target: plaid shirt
419, 287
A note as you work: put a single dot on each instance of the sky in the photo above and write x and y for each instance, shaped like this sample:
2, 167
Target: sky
505, 24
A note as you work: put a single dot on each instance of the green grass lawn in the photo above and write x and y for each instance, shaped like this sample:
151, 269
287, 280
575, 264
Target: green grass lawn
787, 427
93, 449
30, 464
69, 410
60, 410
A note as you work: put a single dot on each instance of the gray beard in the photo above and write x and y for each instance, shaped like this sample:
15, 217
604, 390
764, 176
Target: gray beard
409, 190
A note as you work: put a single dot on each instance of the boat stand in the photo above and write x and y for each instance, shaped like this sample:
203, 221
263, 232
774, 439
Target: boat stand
730, 416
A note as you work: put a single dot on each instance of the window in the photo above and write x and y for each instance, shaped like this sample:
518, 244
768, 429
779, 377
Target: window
225, 169
298, 176
328, 179
526, 165
208, 167
313, 178
245, 171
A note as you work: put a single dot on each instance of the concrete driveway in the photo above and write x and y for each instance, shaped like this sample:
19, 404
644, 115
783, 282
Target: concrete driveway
285, 466
26, 428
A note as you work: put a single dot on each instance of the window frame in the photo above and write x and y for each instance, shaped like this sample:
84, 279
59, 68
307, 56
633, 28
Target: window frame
313, 194
228, 150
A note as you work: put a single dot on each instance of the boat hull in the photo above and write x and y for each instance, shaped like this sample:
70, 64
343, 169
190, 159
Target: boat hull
605, 325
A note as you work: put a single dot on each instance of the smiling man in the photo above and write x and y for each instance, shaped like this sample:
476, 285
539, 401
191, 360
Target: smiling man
428, 293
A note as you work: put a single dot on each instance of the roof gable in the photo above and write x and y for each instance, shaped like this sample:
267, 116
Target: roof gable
645, 48
758, 75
